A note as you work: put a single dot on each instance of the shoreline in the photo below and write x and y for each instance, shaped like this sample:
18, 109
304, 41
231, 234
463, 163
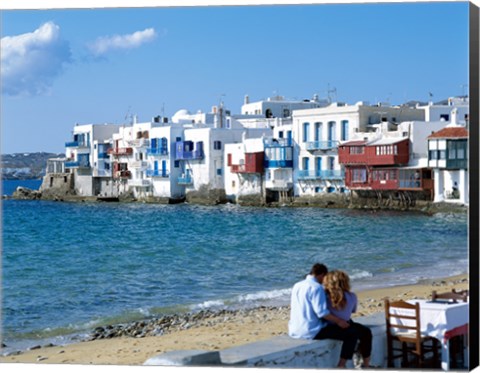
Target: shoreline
208, 330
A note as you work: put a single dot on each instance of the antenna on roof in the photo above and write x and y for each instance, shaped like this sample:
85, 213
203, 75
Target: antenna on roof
334, 91
128, 115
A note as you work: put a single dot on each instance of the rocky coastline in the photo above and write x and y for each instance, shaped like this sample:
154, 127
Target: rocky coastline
344, 201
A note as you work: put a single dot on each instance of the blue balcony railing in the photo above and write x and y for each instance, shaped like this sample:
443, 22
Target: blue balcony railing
322, 145
157, 173
196, 154
71, 144
76, 164
157, 151
278, 164
185, 180
322, 174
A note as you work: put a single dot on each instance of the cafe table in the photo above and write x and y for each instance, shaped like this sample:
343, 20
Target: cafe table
443, 319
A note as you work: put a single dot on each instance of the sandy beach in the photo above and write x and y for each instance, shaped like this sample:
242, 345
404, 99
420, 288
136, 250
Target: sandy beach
215, 333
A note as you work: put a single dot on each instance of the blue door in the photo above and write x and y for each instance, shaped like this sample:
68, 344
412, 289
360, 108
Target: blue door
164, 168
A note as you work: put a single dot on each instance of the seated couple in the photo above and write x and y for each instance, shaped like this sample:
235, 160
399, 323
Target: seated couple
321, 308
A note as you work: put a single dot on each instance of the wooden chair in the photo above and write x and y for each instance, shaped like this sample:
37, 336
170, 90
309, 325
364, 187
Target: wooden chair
403, 327
451, 295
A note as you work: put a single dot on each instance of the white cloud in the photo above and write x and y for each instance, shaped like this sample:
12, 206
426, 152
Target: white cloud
30, 62
106, 44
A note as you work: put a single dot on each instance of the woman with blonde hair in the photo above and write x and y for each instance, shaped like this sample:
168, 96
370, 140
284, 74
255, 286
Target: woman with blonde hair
341, 302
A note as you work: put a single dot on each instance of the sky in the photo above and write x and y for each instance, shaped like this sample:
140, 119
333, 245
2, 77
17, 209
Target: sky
60, 67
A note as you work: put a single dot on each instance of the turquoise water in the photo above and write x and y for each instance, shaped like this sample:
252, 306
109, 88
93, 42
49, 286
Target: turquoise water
68, 267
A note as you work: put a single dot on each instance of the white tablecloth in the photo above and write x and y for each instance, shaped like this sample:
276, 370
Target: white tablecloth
443, 320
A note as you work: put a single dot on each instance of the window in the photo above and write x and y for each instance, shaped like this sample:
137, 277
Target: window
305, 163
217, 145
356, 149
318, 131
344, 135
219, 172
444, 117
306, 129
359, 175
286, 113
433, 155
331, 163
331, 131
452, 150
176, 164
280, 134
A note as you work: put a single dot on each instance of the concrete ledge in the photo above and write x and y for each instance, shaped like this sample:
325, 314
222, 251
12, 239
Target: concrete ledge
282, 351
185, 357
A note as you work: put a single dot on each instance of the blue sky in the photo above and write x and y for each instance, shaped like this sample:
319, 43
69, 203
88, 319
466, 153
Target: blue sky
61, 67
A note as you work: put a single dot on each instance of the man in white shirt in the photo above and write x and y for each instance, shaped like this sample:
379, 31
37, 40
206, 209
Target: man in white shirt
309, 312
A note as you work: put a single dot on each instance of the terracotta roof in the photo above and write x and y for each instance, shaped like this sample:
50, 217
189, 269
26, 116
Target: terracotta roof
450, 132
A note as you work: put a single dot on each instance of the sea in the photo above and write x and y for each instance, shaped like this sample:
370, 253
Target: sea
70, 267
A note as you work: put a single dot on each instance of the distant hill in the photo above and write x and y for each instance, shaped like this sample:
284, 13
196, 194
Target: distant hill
22, 166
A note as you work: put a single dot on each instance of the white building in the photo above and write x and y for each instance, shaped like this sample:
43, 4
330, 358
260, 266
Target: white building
87, 157
317, 133
448, 156
442, 111
278, 106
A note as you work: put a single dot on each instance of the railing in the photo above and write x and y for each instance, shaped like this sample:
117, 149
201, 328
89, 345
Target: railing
157, 173
322, 174
76, 164
102, 173
196, 154
120, 151
278, 164
103, 155
273, 143
139, 143
322, 145
76, 144
138, 164
185, 180
123, 174
157, 151
139, 183
281, 185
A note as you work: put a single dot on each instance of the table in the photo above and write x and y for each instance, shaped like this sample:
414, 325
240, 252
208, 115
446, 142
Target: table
443, 320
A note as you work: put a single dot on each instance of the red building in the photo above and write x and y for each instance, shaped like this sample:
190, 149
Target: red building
382, 165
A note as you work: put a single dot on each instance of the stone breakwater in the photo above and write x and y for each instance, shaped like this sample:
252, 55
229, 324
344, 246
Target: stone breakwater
176, 322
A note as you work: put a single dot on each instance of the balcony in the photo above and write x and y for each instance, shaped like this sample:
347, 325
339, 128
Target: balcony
157, 151
101, 173
278, 164
321, 145
185, 150
190, 155
71, 144
77, 164
157, 173
122, 174
320, 175
103, 155
139, 183
138, 165
120, 151
185, 180
139, 143
279, 185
